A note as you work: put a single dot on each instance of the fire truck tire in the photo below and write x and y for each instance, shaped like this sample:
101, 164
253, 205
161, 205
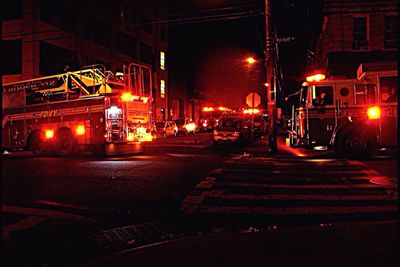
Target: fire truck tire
36, 144
65, 143
353, 144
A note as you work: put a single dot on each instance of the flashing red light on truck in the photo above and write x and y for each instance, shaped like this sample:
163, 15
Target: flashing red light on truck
316, 77
126, 97
80, 130
49, 133
374, 113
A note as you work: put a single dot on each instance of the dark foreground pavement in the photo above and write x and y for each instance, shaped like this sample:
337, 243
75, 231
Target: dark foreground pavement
356, 244
225, 238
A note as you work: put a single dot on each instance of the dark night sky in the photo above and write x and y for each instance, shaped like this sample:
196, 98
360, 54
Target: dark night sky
202, 49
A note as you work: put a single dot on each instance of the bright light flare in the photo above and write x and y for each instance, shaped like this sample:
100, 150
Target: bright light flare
251, 111
374, 113
315, 78
208, 109
126, 97
146, 138
130, 137
114, 110
80, 130
250, 60
49, 133
190, 127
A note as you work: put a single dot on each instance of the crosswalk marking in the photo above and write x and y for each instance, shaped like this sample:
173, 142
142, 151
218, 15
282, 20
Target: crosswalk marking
275, 187
22, 225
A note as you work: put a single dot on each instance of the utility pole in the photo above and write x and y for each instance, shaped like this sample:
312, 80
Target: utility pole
271, 80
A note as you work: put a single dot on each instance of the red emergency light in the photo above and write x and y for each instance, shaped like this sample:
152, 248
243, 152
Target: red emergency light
80, 130
49, 133
374, 113
315, 78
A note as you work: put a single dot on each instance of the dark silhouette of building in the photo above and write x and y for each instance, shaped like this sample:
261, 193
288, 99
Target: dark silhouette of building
355, 32
44, 37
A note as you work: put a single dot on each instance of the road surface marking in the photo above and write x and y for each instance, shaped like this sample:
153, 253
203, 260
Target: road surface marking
46, 213
22, 225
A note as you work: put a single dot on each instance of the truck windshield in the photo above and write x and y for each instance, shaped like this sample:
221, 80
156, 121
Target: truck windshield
230, 123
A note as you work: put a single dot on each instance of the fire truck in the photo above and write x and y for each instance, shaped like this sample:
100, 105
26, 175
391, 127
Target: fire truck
91, 109
352, 116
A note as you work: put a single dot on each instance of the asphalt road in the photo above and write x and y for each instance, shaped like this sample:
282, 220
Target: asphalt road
56, 209
150, 184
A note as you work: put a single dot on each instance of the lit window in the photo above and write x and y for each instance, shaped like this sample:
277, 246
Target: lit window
162, 89
162, 60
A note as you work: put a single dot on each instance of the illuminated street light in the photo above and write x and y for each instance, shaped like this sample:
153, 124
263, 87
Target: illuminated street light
250, 60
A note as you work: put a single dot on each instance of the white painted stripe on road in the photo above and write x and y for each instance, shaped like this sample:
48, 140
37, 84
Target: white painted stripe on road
187, 155
290, 172
283, 186
46, 213
295, 197
175, 145
63, 205
298, 210
22, 225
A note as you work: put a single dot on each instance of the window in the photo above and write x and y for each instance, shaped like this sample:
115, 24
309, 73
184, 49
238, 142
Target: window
365, 94
162, 35
162, 88
360, 33
96, 30
146, 24
54, 59
322, 95
390, 32
11, 62
388, 89
58, 13
11, 10
146, 54
126, 44
162, 60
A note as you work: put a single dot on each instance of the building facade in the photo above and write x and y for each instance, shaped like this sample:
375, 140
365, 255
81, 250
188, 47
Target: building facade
355, 32
45, 37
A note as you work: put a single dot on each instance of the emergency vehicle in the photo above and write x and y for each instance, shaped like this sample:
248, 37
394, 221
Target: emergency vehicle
352, 116
90, 109
209, 117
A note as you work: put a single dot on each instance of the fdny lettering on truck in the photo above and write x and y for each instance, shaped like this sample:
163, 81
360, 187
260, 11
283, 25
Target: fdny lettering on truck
47, 113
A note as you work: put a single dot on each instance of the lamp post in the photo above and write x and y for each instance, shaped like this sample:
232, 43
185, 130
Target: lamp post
271, 80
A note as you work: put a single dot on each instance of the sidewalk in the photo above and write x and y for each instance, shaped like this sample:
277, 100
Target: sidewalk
260, 149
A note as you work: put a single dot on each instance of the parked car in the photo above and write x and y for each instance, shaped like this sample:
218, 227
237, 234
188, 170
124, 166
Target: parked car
166, 128
185, 126
207, 124
234, 128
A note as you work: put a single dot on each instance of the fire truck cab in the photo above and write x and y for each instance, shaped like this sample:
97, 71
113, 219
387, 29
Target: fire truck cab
352, 116
90, 109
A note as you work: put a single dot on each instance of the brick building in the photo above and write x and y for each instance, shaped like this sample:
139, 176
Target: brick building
44, 37
355, 32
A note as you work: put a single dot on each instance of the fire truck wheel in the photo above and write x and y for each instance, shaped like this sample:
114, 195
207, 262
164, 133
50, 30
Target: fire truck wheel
65, 144
353, 144
36, 144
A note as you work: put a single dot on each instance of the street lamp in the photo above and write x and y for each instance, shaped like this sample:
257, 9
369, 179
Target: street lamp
250, 60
